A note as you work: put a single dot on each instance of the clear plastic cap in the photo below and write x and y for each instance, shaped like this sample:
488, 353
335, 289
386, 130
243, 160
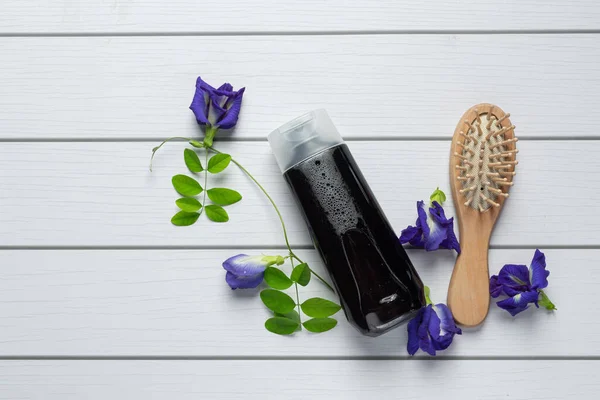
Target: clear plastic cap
303, 137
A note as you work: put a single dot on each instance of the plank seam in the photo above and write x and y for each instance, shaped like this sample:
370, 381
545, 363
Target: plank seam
308, 33
265, 246
260, 139
296, 358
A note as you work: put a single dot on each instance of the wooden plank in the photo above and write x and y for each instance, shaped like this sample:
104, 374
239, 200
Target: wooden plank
299, 380
374, 86
241, 16
102, 194
176, 303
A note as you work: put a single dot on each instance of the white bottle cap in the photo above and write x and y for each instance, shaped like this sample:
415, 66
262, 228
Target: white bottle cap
302, 138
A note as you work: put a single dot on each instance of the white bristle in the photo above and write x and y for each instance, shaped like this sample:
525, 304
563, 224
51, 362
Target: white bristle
485, 158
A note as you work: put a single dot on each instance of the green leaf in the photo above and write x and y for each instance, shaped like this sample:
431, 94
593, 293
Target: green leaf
427, 299
218, 163
188, 204
186, 186
319, 308
197, 144
293, 315
192, 161
216, 213
438, 196
277, 279
301, 274
281, 326
545, 302
318, 325
223, 197
277, 301
184, 218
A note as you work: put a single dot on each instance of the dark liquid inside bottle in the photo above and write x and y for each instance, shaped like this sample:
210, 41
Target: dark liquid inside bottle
377, 284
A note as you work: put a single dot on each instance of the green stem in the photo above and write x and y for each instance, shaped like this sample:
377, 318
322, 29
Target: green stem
205, 182
315, 274
285, 235
154, 150
297, 297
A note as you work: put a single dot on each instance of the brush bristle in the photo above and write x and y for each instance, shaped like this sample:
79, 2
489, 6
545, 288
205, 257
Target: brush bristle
485, 155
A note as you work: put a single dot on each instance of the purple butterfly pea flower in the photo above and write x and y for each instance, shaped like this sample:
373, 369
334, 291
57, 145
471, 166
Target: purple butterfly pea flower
247, 272
431, 330
433, 233
216, 108
523, 285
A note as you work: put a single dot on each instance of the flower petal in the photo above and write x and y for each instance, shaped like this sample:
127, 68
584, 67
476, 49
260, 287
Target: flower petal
519, 302
244, 265
437, 213
425, 343
451, 241
422, 218
447, 323
514, 279
223, 94
441, 233
437, 234
243, 282
215, 111
226, 87
433, 325
233, 107
413, 338
200, 101
495, 287
448, 327
537, 271
412, 235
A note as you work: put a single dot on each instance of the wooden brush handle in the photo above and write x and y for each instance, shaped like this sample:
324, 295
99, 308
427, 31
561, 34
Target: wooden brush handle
469, 291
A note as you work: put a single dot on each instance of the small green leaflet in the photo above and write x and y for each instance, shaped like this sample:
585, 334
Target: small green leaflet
545, 302
301, 274
293, 315
427, 292
186, 186
196, 144
192, 161
438, 196
319, 308
318, 325
277, 279
183, 218
188, 204
223, 196
216, 213
218, 163
277, 301
281, 326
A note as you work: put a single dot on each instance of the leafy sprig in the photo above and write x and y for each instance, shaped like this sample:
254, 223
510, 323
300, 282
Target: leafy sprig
283, 306
287, 311
190, 205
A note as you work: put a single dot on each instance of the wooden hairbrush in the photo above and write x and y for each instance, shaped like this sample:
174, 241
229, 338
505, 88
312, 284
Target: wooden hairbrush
482, 167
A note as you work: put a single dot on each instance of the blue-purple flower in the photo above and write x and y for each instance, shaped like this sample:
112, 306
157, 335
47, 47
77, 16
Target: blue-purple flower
431, 330
216, 108
523, 285
247, 272
433, 232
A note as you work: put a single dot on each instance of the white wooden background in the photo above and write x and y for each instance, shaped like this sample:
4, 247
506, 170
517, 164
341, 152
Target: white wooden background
100, 296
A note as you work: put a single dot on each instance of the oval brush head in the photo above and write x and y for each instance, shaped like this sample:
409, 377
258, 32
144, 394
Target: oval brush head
482, 167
